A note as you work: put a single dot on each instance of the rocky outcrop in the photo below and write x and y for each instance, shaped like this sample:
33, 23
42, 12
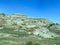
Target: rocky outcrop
37, 26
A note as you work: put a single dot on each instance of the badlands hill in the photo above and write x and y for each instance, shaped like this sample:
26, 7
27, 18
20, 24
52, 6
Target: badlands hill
19, 29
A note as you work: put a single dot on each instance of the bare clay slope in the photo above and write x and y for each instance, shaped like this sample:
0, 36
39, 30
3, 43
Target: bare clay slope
19, 29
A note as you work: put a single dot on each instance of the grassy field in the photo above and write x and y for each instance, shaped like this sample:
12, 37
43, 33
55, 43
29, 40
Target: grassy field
30, 40
23, 38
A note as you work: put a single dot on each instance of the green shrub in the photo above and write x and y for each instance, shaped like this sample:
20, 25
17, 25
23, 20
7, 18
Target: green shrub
32, 43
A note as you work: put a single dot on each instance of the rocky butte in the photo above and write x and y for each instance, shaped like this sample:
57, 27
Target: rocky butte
19, 29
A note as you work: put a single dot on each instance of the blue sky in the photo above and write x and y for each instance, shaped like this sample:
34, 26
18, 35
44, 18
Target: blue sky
34, 8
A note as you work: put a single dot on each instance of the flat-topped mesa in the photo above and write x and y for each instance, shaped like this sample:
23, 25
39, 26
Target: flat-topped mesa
19, 15
35, 26
18, 18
